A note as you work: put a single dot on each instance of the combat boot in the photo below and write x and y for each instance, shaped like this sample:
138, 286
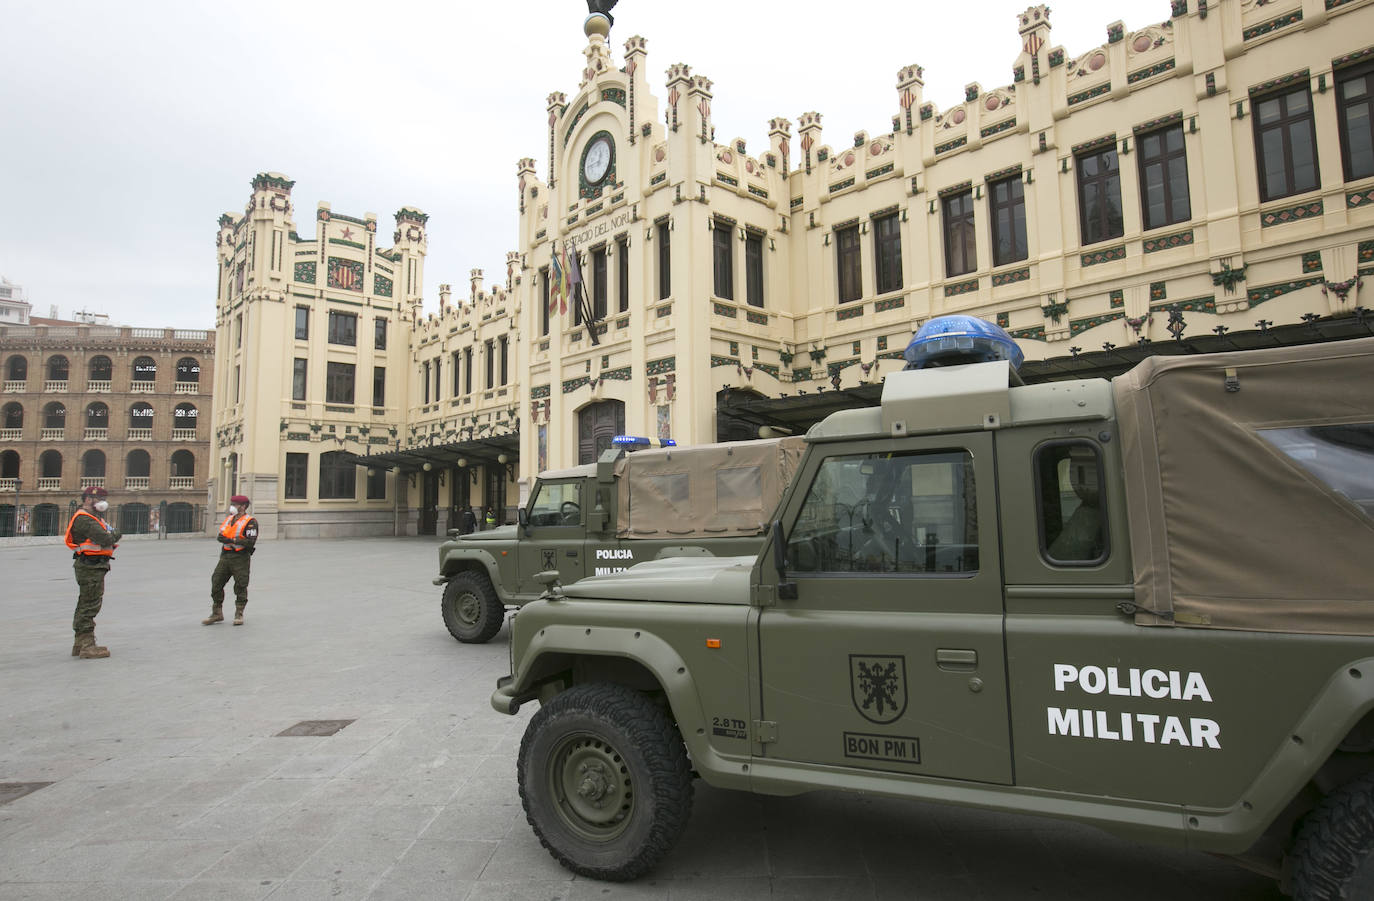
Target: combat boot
89, 649
238, 615
216, 616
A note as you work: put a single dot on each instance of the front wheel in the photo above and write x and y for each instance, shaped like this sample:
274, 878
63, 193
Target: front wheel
1333, 856
472, 611
605, 781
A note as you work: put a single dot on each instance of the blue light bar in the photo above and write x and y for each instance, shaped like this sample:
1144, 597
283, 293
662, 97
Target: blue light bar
640, 441
949, 340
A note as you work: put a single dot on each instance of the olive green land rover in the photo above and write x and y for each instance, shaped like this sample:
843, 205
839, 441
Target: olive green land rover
1143, 604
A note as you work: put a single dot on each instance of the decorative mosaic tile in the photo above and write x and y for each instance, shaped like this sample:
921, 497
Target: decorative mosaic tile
660, 366
1018, 74
796, 202
1290, 78
1168, 242
841, 185
1366, 251
881, 170
1312, 261
346, 275
346, 243
892, 303
853, 312
1115, 34
717, 361
381, 285
1206, 304
1007, 278
1359, 199
617, 375
1000, 127
1264, 28
729, 180
801, 375
658, 179
734, 348
573, 384
1078, 326
1350, 57
538, 392
927, 110
951, 145
577, 117
1034, 333
1056, 57
882, 342
961, 288
1332, 4
721, 309
758, 192
1104, 256
1178, 8
1257, 296
614, 95
1003, 319
1089, 94
756, 318
1117, 299
768, 368
1157, 123
305, 272
1000, 174
1150, 71
1157, 291
1291, 214
663, 311
1094, 144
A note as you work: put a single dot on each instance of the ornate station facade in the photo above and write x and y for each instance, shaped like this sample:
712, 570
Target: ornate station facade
1202, 182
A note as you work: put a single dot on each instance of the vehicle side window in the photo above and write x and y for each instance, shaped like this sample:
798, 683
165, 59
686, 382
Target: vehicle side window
557, 504
1071, 501
889, 513
1341, 456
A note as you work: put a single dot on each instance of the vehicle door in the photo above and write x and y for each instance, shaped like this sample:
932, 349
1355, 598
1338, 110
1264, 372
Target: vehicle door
553, 539
890, 657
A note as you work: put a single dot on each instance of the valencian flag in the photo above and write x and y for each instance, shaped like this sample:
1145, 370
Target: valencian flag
558, 285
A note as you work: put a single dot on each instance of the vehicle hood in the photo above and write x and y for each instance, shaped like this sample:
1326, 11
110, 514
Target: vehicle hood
682, 580
500, 533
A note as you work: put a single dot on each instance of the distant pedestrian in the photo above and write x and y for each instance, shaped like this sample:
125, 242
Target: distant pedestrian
490, 519
92, 542
237, 534
467, 522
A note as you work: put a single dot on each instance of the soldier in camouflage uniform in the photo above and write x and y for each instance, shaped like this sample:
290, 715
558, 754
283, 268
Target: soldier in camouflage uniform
237, 534
92, 542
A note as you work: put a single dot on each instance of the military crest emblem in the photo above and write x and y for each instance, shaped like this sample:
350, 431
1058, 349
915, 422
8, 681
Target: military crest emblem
550, 556
877, 683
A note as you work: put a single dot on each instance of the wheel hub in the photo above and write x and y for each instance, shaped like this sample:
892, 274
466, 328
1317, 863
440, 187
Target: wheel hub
468, 609
595, 785
592, 786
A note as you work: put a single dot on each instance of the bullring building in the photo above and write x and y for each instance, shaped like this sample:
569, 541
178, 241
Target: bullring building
1198, 183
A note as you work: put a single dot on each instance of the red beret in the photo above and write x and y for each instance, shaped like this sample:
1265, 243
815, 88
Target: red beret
238, 499
95, 491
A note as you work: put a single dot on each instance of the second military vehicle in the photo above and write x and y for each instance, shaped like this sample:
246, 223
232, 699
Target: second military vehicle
713, 499
1143, 604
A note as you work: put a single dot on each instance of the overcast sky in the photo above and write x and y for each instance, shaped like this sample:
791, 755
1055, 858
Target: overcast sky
126, 129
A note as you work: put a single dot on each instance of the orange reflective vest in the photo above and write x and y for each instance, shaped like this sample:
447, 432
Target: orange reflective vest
232, 529
88, 548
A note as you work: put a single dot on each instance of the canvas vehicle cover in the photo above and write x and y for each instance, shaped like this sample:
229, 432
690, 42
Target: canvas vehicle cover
706, 491
1250, 488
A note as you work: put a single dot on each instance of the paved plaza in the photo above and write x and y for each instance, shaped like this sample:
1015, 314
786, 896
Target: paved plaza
169, 780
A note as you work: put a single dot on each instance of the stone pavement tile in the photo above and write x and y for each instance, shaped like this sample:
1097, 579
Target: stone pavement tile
174, 860
645, 889
749, 888
823, 888
141, 890
204, 793
236, 890
531, 890
161, 823
311, 820
460, 820
276, 790
716, 850
346, 791
391, 821
36, 766
408, 890
258, 858
111, 794
354, 858
83, 862
231, 821
440, 861
807, 840
243, 767
520, 856
493, 780
127, 769
314, 766
21, 855
324, 890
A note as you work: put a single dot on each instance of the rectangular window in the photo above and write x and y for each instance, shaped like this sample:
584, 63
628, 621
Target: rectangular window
848, 264
665, 259
438, 378
338, 476
556, 504
379, 386
296, 468
1069, 494
299, 368
723, 260
1163, 177
302, 323
379, 334
887, 253
622, 274
599, 283
1285, 143
456, 364
376, 484
491, 364
343, 328
1099, 195
543, 314
753, 269
467, 369
505, 355
1341, 457
236, 383
1355, 101
910, 513
238, 330
338, 383
961, 244
1007, 209
425, 381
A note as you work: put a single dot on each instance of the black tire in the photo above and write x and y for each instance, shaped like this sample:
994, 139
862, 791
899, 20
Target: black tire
615, 828
472, 611
1333, 856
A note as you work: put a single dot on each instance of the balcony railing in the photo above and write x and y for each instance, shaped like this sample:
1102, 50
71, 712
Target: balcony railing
187, 388
183, 434
92, 481
135, 482
140, 434
9, 484
142, 387
51, 434
97, 434
50, 484
98, 387
183, 482
54, 385
15, 387
11, 434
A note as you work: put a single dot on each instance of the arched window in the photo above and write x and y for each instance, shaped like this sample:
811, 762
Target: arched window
58, 368
138, 464
50, 465
17, 369
183, 464
101, 369
597, 424
54, 416
141, 416
97, 416
184, 417
338, 474
14, 416
188, 370
145, 369
93, 465
9, 465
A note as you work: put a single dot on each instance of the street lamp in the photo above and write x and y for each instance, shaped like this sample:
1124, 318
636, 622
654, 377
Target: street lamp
18, 487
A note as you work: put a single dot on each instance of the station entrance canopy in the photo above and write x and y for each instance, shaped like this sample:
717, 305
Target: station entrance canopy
474, 452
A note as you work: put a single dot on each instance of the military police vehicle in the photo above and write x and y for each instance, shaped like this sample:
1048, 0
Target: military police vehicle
602, 517
1142, 604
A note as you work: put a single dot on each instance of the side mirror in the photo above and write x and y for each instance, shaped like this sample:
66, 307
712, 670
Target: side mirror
787, 591
523, 517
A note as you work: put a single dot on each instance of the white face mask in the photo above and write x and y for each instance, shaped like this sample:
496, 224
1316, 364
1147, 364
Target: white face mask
102, 506
233, 511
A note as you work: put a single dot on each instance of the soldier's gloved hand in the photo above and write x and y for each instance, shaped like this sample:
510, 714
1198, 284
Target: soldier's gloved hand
116, 535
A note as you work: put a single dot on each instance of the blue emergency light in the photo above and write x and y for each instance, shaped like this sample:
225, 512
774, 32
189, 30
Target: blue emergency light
948, 340
631, 441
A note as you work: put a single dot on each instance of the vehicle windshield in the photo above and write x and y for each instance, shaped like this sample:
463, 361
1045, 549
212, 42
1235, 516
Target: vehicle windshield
557, 504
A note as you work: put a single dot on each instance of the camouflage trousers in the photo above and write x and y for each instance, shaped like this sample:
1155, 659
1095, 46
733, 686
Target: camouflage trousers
235, 565
91, 581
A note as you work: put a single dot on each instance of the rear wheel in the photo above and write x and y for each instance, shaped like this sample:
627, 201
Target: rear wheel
472, 611
1333, 856
605, 781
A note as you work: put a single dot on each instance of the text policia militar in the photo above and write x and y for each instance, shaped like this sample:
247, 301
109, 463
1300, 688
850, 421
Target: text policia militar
1120, 725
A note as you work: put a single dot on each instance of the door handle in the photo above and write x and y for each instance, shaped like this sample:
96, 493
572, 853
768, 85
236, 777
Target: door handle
956, 660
